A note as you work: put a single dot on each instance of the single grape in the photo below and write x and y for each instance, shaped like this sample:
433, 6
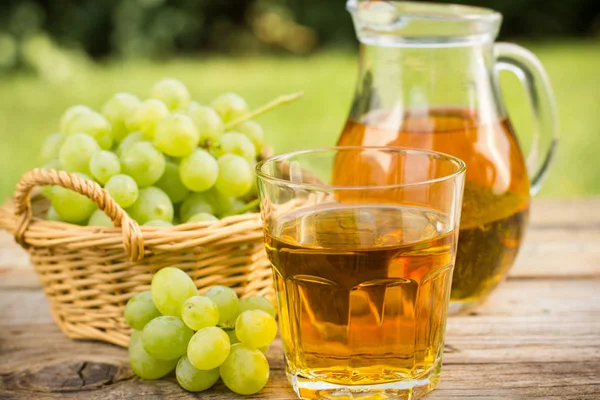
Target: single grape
117, 109
208, 348
198, 171
230, 106
193, 379
140, 310
171, 92
145, 366
195, 203
70, 205
255, 328
76, 152
52, 215
104, 165
122, 189
245, 371
158, 223
232, 337
235, 176
257, 303
99, 218
254, 132
151, 204
176, 135
235, 143
220, 203
200, 312
143, 163
130, 140
227, 301
55, 165
208, 122
202, 217
94, 125
51, 146
171, 287
146, 116
166, 337
171, 184
70, 114
134, 337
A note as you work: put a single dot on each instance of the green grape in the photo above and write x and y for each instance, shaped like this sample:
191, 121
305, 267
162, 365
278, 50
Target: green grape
176, 135
254, 132
158, 223
146, 116
143, 163
235, 176
128, 141
232, 337
264, 349
122, 189
245, 371
195, 203
257, 303
170, 183
230, 106
140, 310
99, 218
145, 366
52, 215
134, 337
200, 312
255, 328
220, 203
104, 165
93, 124
208, 122
198, 171
76, 152
166, 337
227, 302
151, 204
70, 114
235, 143
193, 379
171, 92
208, 348
70, 205
55, 165
117, 109
202, 217
51, 146
171, 287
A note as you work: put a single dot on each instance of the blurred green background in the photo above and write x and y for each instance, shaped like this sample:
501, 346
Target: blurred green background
54, 54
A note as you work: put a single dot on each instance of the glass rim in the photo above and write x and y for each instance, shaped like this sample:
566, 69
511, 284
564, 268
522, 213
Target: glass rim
460, 164
456, 12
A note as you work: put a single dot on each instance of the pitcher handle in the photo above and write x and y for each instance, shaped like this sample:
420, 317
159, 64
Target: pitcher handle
529, 70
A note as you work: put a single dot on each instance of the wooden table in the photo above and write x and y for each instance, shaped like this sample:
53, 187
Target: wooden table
538, 336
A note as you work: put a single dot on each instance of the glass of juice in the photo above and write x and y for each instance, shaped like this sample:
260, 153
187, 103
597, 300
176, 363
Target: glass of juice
362, 267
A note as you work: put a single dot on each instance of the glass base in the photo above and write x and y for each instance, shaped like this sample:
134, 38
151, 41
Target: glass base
408, 389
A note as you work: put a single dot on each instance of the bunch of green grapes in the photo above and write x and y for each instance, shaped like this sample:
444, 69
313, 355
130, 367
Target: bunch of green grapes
165, 160
202, 338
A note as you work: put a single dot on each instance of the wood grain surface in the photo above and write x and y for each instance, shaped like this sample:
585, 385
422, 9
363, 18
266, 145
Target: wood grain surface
537, 337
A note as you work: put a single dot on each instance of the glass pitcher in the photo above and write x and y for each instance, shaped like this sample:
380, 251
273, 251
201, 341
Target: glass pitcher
429, 79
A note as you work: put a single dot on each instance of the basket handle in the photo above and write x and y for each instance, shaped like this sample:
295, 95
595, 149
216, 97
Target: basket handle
132, 236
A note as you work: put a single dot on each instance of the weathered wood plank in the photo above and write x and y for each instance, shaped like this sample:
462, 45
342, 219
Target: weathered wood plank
538, 338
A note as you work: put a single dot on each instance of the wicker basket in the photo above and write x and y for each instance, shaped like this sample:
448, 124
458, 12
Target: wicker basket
88, 273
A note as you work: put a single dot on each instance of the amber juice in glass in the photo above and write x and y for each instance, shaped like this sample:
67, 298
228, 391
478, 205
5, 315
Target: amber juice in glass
362, 273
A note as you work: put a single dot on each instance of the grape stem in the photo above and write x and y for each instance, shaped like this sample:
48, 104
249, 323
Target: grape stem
247, 207
279, 101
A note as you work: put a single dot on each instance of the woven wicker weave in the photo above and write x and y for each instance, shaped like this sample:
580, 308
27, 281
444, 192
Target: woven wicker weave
89, 273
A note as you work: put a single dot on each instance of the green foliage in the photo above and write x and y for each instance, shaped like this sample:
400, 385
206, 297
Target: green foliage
34, 106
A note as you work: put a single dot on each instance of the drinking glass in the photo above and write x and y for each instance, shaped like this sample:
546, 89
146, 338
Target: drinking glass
363, 269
